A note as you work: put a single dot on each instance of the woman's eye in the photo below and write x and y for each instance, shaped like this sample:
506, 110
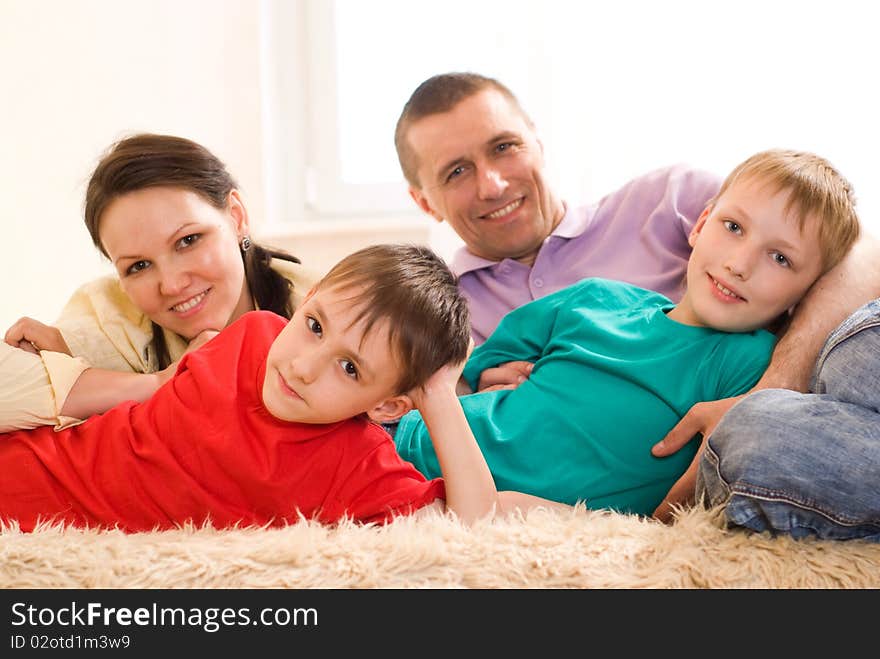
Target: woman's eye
136, 267
189, 240
350, 369
314, 326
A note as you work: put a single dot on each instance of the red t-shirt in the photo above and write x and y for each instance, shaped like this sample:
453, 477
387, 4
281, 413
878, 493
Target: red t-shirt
205, 449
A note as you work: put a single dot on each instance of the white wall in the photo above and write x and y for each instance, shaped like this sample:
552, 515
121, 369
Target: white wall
78, 74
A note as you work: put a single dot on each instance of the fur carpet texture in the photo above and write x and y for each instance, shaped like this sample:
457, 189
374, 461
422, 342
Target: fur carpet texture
545, 549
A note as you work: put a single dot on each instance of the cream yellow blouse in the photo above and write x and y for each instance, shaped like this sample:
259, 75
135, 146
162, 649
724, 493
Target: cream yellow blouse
103, 329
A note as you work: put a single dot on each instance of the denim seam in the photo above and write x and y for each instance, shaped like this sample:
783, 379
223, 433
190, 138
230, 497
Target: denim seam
764, 494
837, 340
712, 457
746, 489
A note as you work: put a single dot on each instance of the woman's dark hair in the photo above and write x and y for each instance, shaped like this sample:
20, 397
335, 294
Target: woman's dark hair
148, 160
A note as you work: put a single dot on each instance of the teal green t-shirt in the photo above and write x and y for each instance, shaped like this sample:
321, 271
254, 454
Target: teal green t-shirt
613, 374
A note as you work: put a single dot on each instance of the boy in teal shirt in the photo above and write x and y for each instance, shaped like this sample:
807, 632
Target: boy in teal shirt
616, 366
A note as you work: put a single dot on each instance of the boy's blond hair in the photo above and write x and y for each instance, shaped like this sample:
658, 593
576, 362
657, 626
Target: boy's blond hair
815, 188
414, 289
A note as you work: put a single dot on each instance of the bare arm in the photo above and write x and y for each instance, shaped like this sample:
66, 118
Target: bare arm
512, 501
98, 390
470, 487
843, 289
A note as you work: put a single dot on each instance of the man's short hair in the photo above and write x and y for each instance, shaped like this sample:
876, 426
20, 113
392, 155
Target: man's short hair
438, 94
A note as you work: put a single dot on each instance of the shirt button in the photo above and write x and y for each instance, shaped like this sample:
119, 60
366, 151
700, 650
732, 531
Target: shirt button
539, 282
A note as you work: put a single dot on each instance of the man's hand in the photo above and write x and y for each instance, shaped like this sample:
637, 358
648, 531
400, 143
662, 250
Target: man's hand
700, 419
33, 336
506, 376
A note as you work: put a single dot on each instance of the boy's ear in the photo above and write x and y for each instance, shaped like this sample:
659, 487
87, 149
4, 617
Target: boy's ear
701, 221
422, 202
391, 409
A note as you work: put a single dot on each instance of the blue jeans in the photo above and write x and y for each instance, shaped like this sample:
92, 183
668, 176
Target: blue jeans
806, 464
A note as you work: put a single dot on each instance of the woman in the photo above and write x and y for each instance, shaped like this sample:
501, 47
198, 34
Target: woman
171, 219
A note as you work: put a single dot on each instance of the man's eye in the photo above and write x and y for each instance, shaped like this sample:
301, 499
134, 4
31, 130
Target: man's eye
504, 146
137, 266
350, 369
314, 326
454, 173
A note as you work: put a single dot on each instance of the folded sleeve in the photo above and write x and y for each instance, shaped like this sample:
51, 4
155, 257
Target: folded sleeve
100, 324
33, 388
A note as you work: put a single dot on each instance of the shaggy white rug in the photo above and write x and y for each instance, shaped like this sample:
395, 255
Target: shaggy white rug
581, 549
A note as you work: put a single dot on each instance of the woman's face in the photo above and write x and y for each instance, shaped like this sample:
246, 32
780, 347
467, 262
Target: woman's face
178, 257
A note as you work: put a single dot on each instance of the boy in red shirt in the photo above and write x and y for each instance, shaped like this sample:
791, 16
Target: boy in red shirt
271, 421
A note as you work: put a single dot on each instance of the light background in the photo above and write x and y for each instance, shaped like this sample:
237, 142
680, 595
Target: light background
616, 89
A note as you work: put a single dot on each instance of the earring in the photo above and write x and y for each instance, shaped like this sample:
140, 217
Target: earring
245, 243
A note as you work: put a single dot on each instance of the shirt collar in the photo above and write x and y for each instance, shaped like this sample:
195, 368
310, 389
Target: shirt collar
572, 224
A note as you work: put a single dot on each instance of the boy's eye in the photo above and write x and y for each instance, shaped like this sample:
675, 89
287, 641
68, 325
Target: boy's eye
189, 240
136, 267
350, 369
314, 326
732, 226
781, 259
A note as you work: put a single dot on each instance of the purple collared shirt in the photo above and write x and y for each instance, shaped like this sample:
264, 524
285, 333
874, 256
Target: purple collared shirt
638, 234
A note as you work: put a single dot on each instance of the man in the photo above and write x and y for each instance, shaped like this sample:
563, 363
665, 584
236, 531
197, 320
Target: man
472, 158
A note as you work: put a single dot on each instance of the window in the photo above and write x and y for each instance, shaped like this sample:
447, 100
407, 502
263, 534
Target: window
616, 89
365, 60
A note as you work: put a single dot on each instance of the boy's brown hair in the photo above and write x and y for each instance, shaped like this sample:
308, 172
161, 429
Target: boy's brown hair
438, 94
413, 288
816, 189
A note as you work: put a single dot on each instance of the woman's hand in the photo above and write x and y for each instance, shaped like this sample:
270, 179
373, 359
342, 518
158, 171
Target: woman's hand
201, 339
33, 336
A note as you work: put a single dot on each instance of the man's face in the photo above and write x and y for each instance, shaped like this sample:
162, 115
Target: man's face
323, 368
750, 262
480, 167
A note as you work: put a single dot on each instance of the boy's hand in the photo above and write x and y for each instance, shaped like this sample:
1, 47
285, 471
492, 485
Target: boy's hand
445, 379
700, 419
33, 336
506, 376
